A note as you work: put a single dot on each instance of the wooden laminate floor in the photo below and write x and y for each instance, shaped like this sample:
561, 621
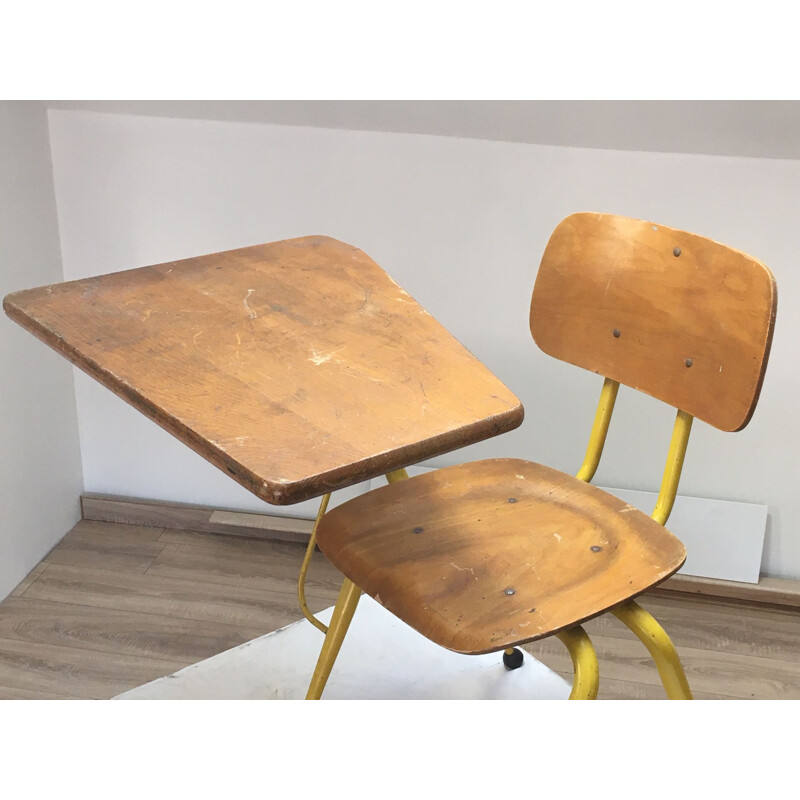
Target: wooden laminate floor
114, 606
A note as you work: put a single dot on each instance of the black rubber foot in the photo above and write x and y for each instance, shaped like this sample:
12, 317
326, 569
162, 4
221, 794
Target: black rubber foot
512, 660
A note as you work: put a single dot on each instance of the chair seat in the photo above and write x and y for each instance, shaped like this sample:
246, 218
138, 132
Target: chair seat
487, 555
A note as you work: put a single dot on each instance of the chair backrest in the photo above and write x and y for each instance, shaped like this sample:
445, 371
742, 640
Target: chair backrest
682, 318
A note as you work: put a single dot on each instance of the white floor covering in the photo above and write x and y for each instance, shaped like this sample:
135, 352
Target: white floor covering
381, 658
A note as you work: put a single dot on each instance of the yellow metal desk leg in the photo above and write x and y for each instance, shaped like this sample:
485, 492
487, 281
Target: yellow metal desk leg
301, 581
343, 612
655, 639
396, 475
586, 678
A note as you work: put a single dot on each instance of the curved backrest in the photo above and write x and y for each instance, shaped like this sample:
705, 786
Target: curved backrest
677, 316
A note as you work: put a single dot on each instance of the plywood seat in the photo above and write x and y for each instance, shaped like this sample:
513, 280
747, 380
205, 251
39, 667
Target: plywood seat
489, 554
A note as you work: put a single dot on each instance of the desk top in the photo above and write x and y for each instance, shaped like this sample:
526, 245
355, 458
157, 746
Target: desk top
296, 367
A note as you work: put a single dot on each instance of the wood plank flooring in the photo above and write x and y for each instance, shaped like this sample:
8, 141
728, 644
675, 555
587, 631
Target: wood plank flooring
114, 606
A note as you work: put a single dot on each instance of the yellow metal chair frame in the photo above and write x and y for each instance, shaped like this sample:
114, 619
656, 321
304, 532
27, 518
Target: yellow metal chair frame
642, 623
640, 304
576, 640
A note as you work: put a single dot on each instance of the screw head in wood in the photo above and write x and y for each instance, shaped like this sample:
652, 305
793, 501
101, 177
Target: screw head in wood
616, 333
688, 362
676, 252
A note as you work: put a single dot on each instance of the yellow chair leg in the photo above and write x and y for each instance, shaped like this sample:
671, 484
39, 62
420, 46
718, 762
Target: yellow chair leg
343, 612
655, 639
586, 678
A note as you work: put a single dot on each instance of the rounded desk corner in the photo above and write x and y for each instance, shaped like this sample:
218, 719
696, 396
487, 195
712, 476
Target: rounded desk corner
285, 492
9, 306
512, 419
276, 494
319, 239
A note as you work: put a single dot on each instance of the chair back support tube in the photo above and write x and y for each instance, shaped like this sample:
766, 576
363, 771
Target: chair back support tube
673, 468
597, 438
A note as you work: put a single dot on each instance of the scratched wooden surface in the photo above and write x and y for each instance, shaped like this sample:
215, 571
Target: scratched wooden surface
493, 553
678, 316
296, 367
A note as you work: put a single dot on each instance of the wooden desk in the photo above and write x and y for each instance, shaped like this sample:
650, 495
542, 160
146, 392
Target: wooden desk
297, 367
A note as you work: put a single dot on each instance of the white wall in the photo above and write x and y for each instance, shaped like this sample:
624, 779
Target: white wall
40, 471
461, 224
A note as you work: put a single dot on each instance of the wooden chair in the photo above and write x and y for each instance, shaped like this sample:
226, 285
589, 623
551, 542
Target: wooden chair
485, 556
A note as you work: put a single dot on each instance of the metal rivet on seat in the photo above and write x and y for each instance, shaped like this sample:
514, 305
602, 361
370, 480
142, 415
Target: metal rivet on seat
512, 499
616, 333
595, 548
676, 252
688, 362
418, 530
510, 591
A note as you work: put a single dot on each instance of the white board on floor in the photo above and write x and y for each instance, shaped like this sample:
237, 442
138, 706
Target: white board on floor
381, 659
724, 539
